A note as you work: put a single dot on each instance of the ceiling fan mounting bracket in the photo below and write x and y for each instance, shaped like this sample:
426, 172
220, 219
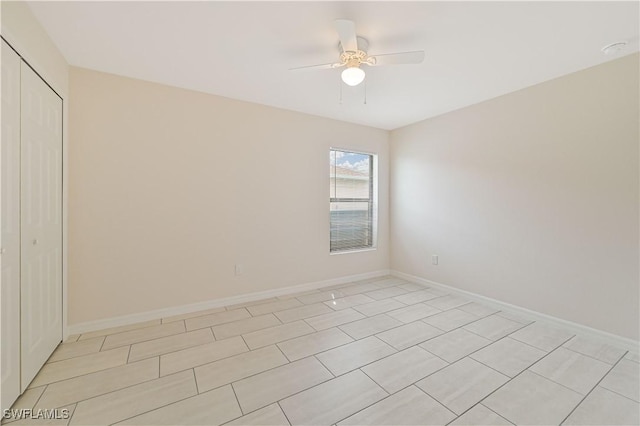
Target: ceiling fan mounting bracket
363, 44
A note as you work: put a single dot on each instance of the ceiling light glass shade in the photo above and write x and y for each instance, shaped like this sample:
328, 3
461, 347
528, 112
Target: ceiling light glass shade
353, 76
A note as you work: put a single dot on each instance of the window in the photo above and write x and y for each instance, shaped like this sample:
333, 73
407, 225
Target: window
351, 200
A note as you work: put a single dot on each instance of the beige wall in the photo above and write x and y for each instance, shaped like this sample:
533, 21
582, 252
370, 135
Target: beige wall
530, 198
171, 188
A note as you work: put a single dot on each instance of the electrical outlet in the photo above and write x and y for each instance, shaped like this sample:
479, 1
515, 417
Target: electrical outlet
434, 259
239, 269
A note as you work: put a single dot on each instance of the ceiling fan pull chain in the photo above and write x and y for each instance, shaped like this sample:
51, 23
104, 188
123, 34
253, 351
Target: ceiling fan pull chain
340, 83
365, 92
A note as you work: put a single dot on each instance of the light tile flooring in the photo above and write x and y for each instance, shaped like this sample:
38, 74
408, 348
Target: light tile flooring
380, 351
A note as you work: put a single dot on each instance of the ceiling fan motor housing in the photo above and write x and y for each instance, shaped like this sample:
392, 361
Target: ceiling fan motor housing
355, 59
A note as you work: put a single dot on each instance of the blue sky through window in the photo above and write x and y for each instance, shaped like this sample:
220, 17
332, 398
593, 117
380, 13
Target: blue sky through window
350, 160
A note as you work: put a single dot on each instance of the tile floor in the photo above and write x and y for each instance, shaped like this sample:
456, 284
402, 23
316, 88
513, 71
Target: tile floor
380, 351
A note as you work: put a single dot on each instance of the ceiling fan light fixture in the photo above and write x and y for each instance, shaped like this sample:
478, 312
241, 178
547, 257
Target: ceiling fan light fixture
352, 76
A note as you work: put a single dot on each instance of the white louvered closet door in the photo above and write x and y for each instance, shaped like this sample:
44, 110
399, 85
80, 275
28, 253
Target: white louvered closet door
41, 214
10, 218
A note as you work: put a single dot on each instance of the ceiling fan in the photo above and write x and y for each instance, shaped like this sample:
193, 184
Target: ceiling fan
353, 54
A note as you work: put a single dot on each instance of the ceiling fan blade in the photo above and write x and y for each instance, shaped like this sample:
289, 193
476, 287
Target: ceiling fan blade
415, 57
316, 67
347, 34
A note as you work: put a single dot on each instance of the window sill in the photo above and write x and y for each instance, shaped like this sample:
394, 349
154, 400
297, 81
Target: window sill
332, 253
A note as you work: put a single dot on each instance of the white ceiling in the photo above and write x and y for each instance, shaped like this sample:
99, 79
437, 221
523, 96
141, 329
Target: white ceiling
474, 50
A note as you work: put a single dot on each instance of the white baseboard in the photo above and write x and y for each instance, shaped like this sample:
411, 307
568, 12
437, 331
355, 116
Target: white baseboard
101, 324
612, 339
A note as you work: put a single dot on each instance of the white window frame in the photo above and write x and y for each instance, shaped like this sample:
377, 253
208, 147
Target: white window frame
373, 198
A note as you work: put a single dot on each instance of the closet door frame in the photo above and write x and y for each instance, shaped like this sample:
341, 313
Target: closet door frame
50, 70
